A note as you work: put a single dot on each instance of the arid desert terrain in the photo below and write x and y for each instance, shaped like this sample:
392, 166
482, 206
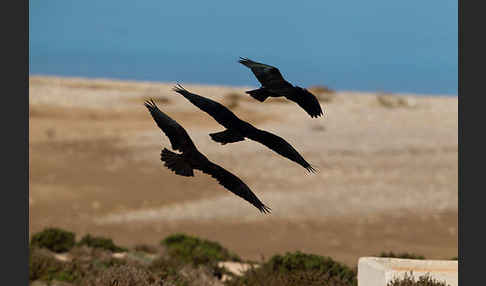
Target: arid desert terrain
387, 181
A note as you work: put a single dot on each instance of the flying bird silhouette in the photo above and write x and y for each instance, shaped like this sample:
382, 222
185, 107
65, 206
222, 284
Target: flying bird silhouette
237, 129
274, 85
190, 158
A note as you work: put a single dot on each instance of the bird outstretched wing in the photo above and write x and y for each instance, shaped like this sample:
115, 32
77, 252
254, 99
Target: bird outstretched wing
279, 145
306, 100
268, 76
219, 112
234, 185
177, 135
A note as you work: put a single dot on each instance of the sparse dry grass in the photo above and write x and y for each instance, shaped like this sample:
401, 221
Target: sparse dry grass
395, 101
123, 275
404, 255
323, 93
231, 100
409, 280
320, 89
159, 99
146, 248
94, 84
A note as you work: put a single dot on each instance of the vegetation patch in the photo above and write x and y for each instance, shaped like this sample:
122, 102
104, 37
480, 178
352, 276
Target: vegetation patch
195, 250
319, 89
299, 268
232, 100
409, 280
160, 99
295, 278
311, 262
389, 100
42, 265
54, 239
145, 248
188, 260
403, 255
123, 275
100, 242
323, 93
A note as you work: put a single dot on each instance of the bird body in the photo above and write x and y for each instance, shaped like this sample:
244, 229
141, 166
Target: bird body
274, 85
237, 129
191, 159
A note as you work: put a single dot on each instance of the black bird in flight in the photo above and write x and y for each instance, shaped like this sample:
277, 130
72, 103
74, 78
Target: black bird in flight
237, 129
274, 85
183, 164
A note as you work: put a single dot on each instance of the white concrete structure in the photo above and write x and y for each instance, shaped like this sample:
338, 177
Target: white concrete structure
375, 271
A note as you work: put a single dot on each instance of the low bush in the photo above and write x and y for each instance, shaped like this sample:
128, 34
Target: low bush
298, 269
310, 262
294, 278
195, 250
54, 239
100, 242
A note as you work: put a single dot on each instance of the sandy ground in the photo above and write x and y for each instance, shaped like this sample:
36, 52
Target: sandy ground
387, 180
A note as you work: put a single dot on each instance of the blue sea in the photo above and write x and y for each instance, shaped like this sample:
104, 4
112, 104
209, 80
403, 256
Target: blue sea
374, 45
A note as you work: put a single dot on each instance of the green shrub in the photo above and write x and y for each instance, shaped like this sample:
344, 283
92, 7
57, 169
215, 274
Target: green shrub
404, 255
409, 280
299, 261
198, 251
100, 242
294, 278
43, 266
54, 239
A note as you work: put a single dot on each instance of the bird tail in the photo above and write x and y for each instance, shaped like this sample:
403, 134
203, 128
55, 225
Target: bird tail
259, 94
227, 136
176, 163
